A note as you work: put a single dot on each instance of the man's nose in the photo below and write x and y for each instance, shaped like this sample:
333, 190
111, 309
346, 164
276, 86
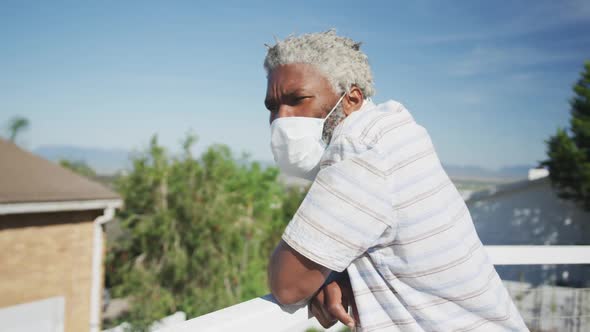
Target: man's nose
285, 111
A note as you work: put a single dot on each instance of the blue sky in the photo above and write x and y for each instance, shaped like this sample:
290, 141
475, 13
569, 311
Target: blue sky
489, 80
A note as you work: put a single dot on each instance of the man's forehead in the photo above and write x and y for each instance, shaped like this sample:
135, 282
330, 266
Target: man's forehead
294, 78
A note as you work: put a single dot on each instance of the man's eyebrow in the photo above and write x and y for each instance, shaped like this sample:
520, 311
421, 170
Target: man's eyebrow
298, 91
269, 102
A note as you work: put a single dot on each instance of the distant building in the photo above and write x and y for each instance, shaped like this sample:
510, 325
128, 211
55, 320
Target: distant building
530, 213
51, 244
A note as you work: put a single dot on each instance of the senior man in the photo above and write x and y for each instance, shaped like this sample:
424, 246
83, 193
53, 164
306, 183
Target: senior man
382, 221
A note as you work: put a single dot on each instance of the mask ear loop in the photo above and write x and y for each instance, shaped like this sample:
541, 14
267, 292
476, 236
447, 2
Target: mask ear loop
327, 116
335, 106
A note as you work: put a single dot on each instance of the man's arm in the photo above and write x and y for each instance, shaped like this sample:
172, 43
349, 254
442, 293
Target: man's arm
293, 277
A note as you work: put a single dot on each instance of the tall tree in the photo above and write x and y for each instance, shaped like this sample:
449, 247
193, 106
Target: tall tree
569, 153
16, 126
199, 231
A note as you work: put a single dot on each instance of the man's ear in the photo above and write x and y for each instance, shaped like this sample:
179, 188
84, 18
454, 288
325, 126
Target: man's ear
353, 100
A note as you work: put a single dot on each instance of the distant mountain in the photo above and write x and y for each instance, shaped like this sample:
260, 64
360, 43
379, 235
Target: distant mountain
471, 178
109, 161
103, 161
507, 173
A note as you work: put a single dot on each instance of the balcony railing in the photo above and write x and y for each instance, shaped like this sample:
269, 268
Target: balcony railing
264, 314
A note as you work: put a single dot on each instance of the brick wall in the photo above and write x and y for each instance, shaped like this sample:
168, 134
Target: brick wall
48, 254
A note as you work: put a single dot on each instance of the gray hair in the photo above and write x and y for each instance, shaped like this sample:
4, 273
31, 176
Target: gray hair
338, 58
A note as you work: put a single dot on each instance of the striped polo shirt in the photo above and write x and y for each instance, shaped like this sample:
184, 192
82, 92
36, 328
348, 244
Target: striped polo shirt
383, 208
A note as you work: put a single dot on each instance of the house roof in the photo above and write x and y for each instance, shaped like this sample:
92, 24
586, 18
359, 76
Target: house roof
27, 178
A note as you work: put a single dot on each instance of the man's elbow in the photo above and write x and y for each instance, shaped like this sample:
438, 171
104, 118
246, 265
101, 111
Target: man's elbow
287, 295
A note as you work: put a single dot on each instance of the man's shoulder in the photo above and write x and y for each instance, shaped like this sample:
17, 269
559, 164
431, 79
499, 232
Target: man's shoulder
381, 127
373, 121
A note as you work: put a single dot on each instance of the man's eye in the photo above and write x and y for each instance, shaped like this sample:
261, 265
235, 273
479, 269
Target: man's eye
300, 99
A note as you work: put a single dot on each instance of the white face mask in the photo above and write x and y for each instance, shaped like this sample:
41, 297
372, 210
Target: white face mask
297, 145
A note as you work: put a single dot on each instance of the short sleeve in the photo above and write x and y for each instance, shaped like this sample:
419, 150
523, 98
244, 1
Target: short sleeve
344, 213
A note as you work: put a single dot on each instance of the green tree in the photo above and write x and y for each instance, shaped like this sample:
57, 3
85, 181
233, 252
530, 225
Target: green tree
199, 231
17, 125
569, 155
79, 167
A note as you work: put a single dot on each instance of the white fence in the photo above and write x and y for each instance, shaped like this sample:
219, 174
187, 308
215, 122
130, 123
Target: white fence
264, 314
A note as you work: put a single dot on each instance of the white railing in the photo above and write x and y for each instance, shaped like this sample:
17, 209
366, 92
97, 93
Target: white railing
264, 314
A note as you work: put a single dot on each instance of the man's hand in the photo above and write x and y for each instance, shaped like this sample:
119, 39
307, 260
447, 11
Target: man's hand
330, 304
